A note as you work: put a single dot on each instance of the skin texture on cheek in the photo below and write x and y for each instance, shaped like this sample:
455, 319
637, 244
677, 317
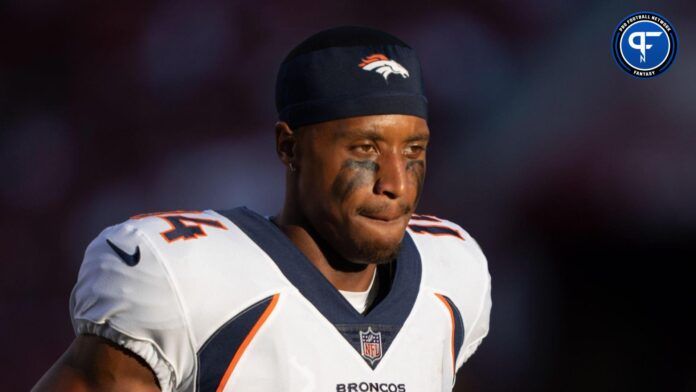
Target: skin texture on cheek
353, 175
417, 167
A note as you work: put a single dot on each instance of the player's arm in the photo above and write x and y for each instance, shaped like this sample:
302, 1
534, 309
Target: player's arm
92, 363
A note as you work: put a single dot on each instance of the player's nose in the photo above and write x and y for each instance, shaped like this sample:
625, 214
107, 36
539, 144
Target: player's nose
391, 176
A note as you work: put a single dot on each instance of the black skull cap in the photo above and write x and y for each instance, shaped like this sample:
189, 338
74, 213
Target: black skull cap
349, 71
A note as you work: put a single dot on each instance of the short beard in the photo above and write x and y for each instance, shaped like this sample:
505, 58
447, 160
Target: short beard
372, 253
359, 254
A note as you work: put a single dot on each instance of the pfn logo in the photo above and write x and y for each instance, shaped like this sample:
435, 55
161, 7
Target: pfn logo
645, 44
641, 45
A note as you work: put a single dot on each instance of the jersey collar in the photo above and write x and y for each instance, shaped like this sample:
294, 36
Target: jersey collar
390, 309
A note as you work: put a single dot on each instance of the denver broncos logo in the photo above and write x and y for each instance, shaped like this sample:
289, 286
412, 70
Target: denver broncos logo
383, 66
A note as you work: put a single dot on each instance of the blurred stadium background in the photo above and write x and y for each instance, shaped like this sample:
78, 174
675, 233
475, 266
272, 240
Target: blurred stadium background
578, 180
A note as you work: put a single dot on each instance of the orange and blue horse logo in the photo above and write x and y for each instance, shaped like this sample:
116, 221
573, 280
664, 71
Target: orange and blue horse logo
383, 66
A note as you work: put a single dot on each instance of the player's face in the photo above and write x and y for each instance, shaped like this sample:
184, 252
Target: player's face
359, 181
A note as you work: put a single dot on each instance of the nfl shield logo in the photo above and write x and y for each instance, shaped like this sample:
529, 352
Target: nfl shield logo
371, 345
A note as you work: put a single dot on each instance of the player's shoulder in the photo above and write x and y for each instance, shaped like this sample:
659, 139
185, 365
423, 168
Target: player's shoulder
442, 236
169, 278
185, 246
154, 244
173, 234
455, 270
131, 288
451, 258
169, 227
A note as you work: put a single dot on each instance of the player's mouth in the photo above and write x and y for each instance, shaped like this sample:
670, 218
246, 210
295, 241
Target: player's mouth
382, 215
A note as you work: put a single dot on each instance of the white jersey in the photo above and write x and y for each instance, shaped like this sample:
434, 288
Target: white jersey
224, 301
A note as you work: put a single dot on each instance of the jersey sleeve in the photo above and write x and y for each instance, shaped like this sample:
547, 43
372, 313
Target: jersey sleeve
480, 325
133, 304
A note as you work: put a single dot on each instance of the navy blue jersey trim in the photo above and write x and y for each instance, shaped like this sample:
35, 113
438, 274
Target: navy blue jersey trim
217, 352
435, 230
458, 327
388, 314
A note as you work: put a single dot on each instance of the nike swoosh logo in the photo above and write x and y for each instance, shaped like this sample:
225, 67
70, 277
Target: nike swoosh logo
130, 259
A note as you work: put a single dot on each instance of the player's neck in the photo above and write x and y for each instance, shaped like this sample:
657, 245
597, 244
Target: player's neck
342, 274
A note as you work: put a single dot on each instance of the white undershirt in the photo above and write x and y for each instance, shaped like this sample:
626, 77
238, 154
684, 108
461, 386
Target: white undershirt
360, 299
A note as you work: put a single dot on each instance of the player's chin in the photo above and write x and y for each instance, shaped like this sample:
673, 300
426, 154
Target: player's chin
376, 242
368, 251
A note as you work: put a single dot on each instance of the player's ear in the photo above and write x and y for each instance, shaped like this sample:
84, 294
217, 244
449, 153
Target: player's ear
286, 142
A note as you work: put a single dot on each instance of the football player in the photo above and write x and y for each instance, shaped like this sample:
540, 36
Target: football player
346, 289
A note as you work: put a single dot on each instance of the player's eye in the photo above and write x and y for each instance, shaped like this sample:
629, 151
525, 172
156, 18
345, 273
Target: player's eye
414, 149
365, 148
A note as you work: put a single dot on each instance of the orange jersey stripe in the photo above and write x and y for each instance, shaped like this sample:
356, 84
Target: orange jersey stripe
245, 343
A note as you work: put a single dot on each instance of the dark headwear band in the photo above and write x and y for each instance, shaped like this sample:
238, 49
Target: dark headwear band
346, 72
